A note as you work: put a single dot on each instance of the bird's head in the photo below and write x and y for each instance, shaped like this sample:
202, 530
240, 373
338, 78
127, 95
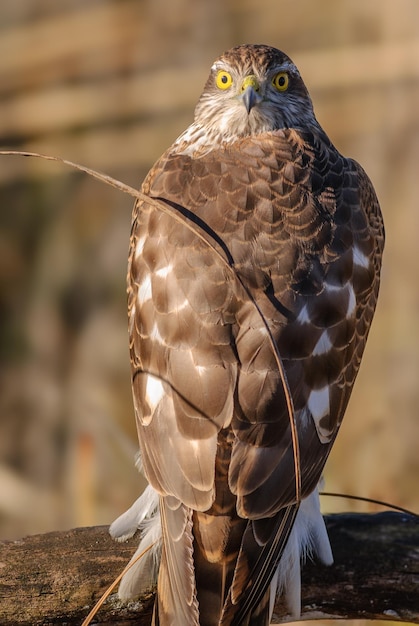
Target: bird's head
253, 89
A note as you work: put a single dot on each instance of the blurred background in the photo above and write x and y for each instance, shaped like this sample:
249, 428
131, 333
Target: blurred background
110, 84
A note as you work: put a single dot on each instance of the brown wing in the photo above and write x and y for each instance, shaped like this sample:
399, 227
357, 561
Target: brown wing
303, 227
324, 280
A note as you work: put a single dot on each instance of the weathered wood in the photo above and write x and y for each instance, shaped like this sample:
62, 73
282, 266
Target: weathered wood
57, 577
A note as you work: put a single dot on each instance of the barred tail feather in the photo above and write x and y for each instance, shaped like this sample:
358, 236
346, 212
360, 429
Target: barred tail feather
307, 538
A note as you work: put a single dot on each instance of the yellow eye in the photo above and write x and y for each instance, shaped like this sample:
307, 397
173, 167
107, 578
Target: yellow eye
281, 81
224, 80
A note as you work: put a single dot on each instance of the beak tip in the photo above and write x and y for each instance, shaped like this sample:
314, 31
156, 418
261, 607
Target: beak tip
250, 97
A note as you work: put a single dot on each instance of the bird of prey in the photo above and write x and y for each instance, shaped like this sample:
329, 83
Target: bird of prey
253, 276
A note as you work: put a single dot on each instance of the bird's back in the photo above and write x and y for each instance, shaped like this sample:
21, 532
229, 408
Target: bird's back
252, 282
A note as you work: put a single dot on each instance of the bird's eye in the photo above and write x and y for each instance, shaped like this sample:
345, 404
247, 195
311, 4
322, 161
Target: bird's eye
281, 81
224, 80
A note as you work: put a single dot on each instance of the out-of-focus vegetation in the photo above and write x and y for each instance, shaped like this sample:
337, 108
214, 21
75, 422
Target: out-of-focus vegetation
111, 84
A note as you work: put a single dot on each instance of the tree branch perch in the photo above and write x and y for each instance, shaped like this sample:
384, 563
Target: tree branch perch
56, 578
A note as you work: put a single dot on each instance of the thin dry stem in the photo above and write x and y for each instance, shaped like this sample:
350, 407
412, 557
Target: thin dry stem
193, 227
112, 586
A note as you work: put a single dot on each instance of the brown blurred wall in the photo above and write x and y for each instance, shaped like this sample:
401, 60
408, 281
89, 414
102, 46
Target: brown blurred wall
111, 84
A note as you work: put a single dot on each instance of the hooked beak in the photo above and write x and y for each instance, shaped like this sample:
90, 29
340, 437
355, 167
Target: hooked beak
250, 95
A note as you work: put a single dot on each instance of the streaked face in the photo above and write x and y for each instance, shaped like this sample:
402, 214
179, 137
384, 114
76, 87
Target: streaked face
253, 89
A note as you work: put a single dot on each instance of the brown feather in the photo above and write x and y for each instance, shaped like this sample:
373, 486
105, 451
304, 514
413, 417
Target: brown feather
303, 228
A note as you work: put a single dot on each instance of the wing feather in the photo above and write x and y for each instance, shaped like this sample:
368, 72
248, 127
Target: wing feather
303, 228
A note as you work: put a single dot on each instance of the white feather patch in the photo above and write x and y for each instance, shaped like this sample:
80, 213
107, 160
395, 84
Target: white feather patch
183, 305
348, 287
143, 516
155, 334
144, 291
164, 271
303, 316
360, 258
308, 538
318, 402
323, 345
127, 524
140, 246
352, 301
154, 391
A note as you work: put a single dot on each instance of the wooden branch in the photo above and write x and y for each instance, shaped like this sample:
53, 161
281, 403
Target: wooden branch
56, 578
